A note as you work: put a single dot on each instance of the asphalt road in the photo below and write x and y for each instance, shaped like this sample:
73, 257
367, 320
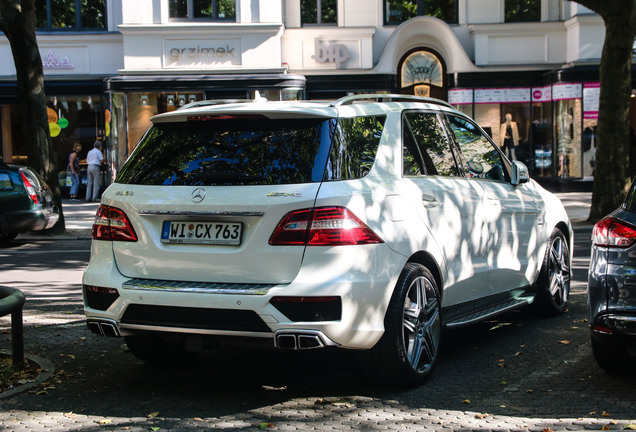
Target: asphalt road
517, 372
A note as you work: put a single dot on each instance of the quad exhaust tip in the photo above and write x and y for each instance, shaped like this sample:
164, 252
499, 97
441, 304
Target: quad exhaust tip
104, 327
301, 340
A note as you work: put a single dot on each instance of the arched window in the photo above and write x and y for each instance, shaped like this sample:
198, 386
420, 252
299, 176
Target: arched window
423, 73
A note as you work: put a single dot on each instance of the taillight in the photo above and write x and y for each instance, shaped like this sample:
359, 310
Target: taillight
323, 226
30, 189
611, 232
112, 224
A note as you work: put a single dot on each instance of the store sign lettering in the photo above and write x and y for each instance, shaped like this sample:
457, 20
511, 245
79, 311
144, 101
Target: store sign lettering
331, 52
202, 53
177, 54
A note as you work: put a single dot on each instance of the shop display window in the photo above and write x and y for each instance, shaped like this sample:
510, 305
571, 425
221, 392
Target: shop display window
541, 134
398, 11
567, 121
74, 119
508, 124
75, 15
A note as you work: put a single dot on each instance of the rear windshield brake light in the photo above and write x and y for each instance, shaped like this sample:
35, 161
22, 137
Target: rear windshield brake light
226, 117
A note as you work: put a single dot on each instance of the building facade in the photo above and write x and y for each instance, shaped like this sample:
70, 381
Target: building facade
111, 64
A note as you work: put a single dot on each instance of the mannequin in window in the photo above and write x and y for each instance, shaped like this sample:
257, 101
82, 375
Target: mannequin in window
509, 137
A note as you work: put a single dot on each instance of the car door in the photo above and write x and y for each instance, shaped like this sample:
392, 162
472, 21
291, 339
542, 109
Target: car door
451, 205
511, 213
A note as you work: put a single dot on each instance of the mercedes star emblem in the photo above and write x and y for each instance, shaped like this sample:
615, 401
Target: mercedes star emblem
198, 195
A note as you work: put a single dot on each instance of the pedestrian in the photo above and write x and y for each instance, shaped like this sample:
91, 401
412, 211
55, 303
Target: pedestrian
72, 169
93, 173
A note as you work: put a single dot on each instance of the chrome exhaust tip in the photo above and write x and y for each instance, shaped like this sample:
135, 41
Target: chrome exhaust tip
301, 340
104, 327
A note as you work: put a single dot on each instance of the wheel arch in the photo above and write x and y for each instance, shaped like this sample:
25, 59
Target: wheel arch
427, 260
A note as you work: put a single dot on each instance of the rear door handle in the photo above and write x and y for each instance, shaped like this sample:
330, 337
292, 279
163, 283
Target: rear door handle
429, 201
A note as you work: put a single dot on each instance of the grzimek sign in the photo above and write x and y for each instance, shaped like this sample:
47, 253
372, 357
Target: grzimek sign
201, 53
331, 52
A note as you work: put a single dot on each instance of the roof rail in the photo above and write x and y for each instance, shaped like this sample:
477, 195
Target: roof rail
382, 97
211, 102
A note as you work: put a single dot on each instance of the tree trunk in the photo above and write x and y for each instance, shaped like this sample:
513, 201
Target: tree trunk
17, 21
611, 172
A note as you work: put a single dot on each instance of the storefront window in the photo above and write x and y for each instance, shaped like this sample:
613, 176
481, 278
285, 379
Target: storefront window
77, 15
319, 12
522, 10
219, 10
74, 119
398, 11
541, 134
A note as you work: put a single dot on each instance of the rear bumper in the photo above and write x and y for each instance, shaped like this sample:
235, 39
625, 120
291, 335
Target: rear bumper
29, 220
611, 298
363, 288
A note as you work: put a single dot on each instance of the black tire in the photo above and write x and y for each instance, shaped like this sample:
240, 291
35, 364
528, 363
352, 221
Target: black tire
158, 351
613, 359
553, 283
406, 353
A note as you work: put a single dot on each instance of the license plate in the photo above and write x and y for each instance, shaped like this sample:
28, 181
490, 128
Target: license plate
221, 233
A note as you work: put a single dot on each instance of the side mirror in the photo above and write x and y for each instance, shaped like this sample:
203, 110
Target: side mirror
519, 174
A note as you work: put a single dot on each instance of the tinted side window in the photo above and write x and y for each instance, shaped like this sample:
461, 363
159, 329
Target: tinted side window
479, 156
426, 148
355, 143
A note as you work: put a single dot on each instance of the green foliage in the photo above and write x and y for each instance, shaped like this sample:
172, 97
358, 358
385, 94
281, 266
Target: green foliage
522, 10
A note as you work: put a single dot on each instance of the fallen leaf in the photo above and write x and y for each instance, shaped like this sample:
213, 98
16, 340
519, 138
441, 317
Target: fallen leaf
466, 401
547, 430
266, 387
564, 342
104, 422
606, 427
605, 414
197, 419
630, 427
154, 414
154, 428
481, 416
574, 328
518, 353
266, 425
529, 391
69, 414
504, 383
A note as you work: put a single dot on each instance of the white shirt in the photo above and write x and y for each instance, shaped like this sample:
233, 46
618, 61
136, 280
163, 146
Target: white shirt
94, 157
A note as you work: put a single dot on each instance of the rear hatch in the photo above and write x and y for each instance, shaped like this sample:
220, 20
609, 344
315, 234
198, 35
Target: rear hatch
204, 192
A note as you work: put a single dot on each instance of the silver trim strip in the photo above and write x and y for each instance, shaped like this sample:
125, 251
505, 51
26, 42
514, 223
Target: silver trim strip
199, 213
197, 287
124, 326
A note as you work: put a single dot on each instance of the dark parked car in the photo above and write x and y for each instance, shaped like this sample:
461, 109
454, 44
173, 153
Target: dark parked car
26, 203
612, 287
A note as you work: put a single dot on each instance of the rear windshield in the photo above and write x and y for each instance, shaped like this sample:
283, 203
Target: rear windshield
255, 151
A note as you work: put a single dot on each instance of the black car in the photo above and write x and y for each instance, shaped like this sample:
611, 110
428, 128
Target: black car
26, 202
612, 287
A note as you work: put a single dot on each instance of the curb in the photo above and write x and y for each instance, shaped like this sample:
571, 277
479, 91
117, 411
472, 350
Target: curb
47, 367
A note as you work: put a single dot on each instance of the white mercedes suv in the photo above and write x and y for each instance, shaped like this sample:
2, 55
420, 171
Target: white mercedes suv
368, 223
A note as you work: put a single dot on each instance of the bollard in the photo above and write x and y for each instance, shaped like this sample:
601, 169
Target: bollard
11, 302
